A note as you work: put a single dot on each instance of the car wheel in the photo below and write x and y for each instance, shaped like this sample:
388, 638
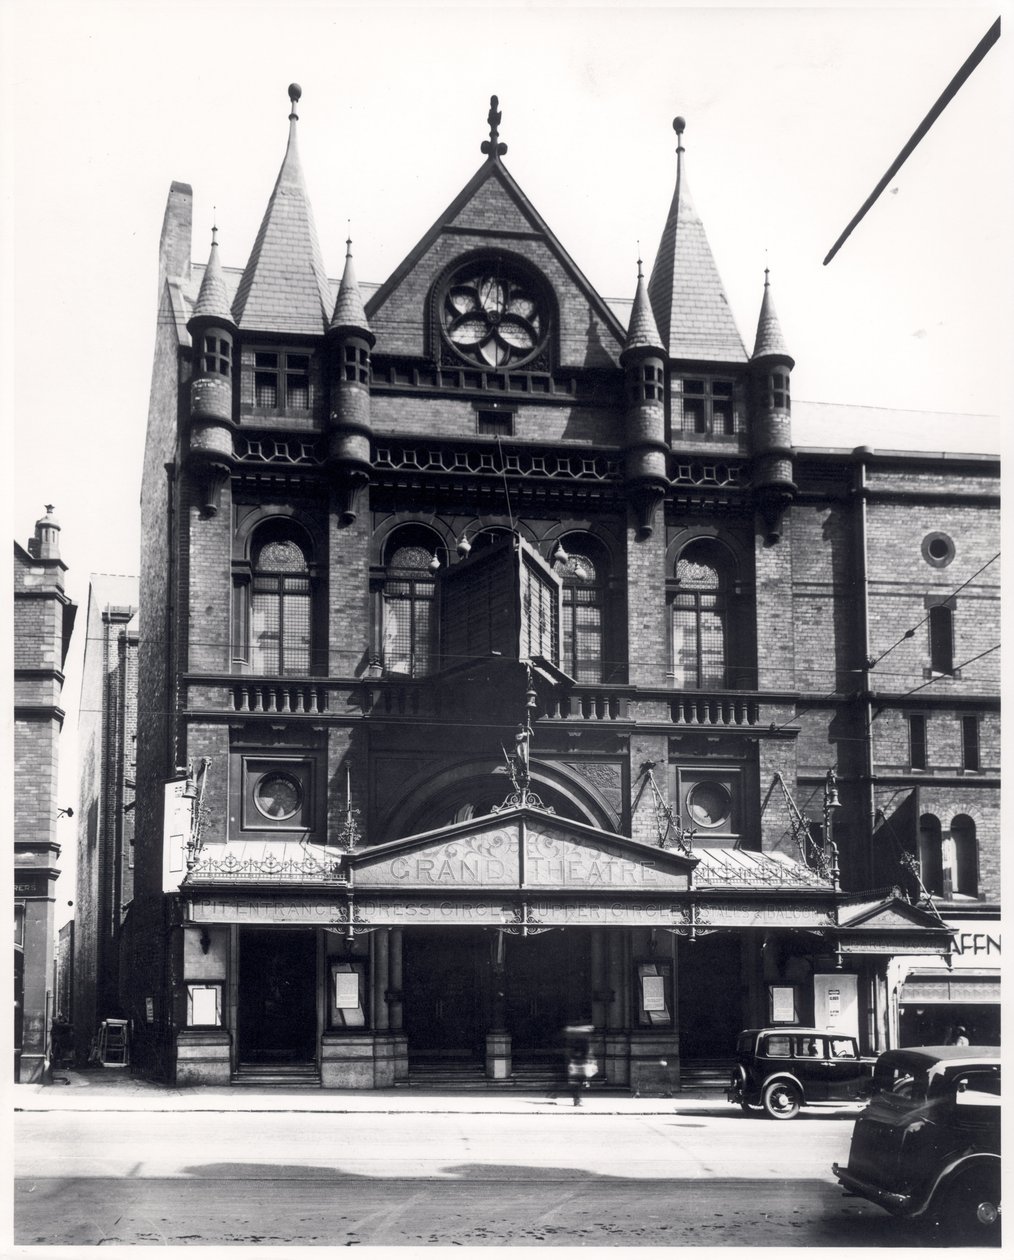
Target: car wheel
970, 1211
782, 1100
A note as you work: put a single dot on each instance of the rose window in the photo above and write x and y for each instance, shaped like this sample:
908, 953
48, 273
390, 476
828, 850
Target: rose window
492, 318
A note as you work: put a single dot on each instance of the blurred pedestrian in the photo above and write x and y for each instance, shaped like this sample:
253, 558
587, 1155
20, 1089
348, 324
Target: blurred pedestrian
581, 1065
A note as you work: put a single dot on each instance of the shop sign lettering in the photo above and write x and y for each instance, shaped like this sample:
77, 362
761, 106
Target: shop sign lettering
976, 946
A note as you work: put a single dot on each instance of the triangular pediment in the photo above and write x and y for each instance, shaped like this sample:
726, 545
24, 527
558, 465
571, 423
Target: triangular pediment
891, 914
521, 849
492, 213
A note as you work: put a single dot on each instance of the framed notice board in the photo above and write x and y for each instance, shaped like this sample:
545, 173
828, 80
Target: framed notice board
347, 995
653, 993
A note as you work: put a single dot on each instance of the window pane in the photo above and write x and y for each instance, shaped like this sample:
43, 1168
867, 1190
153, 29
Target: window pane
684, 641
917, 742
296, 628
941, 639
265, 389
970, 743
264, 629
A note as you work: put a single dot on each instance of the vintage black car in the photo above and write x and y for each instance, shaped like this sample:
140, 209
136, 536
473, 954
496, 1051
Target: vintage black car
928, 1144
783, 1069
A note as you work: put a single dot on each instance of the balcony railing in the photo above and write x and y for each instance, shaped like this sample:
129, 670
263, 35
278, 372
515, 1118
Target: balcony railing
279, 697
712, 709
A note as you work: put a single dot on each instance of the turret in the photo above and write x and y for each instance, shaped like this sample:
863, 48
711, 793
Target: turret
349, 433
770, 368
646, 451
212, 334
45, 545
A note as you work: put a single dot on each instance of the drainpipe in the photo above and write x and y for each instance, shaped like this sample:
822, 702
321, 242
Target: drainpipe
863, 633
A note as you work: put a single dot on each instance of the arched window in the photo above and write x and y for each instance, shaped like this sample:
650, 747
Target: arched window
941, 636
931, 858
408, 605
280, 602
965, 870
699, 616
581, 562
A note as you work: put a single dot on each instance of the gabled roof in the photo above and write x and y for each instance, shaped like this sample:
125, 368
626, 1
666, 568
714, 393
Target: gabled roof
492, 211
890, 913
284, 287
687, 296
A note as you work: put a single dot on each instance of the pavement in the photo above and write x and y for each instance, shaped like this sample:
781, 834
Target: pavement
117, 1090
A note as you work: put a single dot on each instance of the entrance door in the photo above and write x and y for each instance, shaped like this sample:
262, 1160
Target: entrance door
443, 983
548, 987
709, 986
277, 995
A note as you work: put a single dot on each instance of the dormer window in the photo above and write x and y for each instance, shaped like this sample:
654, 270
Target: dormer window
708, 406
282, 380
216, 355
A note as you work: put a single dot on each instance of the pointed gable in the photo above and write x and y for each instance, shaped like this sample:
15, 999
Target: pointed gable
492, 214
285, 287
687, 296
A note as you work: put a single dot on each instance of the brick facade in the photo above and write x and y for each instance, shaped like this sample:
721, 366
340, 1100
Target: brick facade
805, 567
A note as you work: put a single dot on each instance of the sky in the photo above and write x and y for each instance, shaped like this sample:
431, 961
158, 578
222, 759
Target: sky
792, 115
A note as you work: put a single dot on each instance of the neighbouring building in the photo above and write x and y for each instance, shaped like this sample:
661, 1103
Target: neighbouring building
505, 666
107, 751
43, 623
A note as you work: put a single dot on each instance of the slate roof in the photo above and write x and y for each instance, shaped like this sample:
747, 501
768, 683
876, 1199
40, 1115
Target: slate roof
349, 311
642, 331
687, 296
769, 339
284, 286
214, 298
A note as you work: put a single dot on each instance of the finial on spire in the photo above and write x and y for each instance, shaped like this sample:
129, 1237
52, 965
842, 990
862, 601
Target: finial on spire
295, 92
214, 228
493, 147
767, 273
640, 272
679, 125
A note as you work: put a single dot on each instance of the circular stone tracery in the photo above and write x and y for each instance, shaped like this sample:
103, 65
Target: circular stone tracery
491, 315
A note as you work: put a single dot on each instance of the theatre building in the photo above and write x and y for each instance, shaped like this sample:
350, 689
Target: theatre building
505, 667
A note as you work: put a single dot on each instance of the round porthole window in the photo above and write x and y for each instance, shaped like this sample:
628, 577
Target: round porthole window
938, 550
710, 804
278, 796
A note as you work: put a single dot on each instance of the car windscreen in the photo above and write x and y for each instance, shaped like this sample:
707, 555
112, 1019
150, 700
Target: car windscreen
900, 1081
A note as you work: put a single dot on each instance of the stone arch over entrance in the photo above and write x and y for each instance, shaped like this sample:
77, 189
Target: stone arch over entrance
472, 788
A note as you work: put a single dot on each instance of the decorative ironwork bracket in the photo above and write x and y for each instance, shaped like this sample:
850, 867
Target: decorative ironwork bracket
694, 923
525, 923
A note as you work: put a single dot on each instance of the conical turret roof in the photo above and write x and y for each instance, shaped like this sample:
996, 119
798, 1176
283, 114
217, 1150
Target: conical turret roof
284, 287
687, 296
769, 340
642, 331
349, 311
213, 299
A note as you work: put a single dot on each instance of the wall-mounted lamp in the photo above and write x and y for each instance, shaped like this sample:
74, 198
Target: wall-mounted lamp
464, 546
65, 813
205, 939
434, 564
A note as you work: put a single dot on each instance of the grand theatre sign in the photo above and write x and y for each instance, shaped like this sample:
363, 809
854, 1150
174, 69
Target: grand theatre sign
519, 870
